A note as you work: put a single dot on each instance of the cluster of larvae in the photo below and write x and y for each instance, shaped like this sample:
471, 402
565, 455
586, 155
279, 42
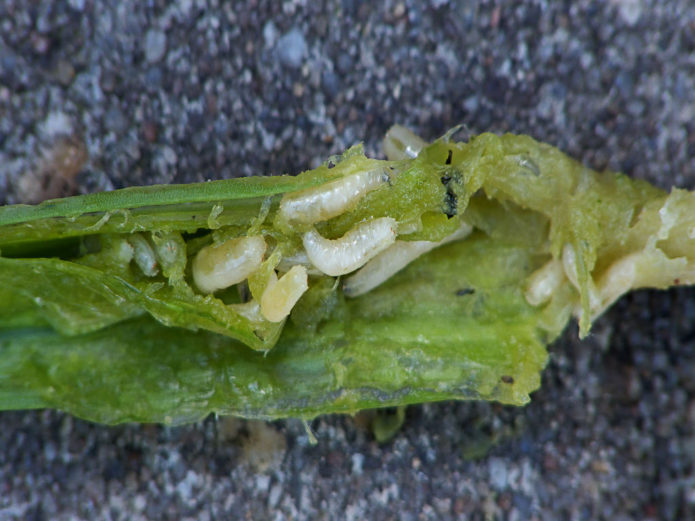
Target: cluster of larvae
655, 264
369, 251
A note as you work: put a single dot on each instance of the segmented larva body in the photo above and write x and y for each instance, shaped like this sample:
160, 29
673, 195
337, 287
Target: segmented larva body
323, 202
392, 260
281, 295
144, 255
352, 250
401, 143
219, 266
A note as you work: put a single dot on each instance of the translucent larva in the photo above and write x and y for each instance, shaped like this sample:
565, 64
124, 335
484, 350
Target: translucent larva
332, 199
144, 255
393, 259
352, 250
281, 295
401, 143
543, 282
221, 265
618, 279
170, 250
123, 252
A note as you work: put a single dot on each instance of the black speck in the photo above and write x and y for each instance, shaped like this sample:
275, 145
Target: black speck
244, 293
507, 379
450, 204
331, 164
449, 157
450, 199
464, 291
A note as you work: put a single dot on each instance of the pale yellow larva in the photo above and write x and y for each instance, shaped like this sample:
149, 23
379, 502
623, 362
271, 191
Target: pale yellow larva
543, 282
219, 266
282, 294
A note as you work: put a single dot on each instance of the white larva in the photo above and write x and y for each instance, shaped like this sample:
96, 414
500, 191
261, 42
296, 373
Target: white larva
143, 255
645, 269
219, 266
281, 295
543, 282
323, 202
352, 250
401, 143
393, 259
620, 278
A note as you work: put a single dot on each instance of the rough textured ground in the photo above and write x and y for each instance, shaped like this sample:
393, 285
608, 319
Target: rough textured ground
124, 93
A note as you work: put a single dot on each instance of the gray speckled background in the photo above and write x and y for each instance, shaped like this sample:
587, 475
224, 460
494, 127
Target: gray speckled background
124, 93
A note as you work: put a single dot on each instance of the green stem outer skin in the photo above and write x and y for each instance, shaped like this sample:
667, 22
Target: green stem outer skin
155, 195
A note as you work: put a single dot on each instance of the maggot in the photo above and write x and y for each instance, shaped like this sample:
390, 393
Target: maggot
144, 255
352, 250
543, 282
401, 143
392, 260
281, 295
323, 202
619, 278
220, 265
